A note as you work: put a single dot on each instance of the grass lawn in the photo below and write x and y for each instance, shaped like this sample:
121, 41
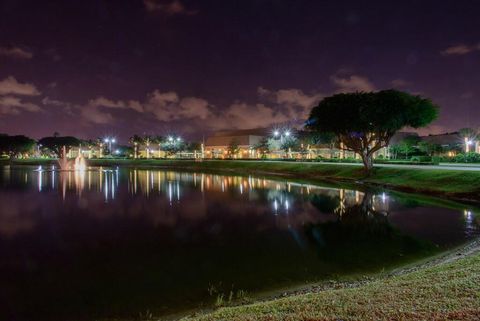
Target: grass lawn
448, 291
451, 183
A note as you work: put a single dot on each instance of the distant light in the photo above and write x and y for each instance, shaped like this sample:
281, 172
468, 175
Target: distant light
276, 133
179, 139
170, 139
113, 140
469, 142
117, 151
287, 133
106, 140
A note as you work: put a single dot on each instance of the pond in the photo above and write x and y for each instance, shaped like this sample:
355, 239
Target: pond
120, 242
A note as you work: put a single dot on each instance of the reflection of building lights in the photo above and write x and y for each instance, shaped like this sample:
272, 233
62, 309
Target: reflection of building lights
275, 206
384, 197
468, 216
40, 174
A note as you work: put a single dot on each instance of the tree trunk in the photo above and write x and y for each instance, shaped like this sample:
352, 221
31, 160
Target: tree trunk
367, 163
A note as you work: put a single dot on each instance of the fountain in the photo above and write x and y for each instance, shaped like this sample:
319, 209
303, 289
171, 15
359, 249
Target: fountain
79, 164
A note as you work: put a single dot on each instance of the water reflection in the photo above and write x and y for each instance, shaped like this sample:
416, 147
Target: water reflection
290, 203
160, 238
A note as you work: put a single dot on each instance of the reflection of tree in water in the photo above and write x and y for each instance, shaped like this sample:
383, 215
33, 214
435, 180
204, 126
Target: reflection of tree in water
361, 236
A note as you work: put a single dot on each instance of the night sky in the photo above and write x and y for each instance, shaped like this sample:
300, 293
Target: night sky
95, 68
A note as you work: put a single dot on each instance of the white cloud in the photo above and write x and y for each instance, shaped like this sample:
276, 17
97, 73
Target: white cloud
241, 115
352, 83
169, 106
165, 106
53, 102
170, 8
10, 105
95, 115
429, 130
290, 97
15, 52
108, 103
292, 102
10, 86
191, 107
459, 50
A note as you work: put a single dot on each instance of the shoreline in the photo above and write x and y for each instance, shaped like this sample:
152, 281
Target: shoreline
455, 185
451, 259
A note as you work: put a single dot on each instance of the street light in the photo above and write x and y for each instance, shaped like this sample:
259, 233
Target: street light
109, 141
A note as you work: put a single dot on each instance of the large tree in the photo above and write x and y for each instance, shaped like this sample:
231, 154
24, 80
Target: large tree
15, 145
365, 122
56, 143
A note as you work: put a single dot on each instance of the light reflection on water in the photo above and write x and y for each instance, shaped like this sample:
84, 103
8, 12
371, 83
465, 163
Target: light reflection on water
164, 237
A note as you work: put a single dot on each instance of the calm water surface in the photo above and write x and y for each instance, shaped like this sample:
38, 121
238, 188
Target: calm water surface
121, 242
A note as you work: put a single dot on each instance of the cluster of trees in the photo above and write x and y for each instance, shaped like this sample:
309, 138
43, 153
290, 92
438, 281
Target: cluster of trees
297, 142
14, 146
413, 145
20, 145
170, 144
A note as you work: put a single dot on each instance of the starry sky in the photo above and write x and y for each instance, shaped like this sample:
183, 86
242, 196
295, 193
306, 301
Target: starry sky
96, 68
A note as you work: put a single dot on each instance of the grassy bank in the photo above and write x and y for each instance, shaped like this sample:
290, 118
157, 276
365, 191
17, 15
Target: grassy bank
455, 184
445, 291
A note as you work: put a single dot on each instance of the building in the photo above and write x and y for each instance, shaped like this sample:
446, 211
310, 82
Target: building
217, 145
450, 143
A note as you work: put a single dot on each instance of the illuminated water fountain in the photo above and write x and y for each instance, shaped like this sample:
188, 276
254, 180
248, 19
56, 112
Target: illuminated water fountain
79, 164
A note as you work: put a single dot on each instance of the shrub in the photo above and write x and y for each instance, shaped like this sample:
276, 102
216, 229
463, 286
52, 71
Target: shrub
467, 158
421, 159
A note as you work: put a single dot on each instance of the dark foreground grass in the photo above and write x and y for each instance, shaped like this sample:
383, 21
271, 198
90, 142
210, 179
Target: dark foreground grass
451, 183
448, 291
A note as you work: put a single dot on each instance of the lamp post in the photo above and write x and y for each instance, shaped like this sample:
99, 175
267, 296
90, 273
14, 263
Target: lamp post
282, 136
468, 143
109, 141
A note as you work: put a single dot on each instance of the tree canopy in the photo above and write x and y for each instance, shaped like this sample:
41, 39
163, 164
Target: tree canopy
365, 122
15, 145
56, 143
